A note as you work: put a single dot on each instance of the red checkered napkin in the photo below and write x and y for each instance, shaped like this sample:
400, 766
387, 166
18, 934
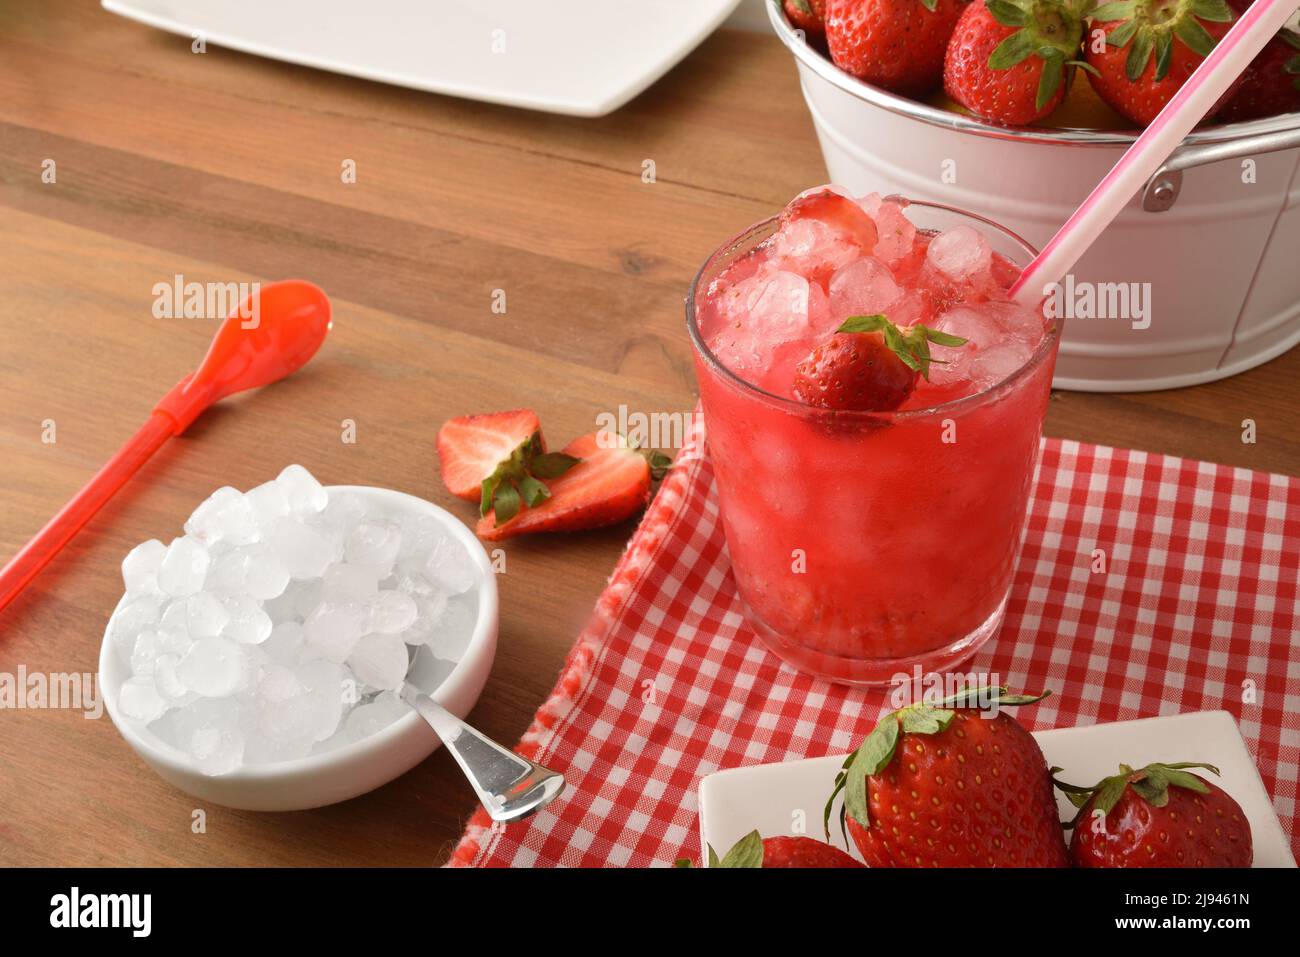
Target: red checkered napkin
1197, 608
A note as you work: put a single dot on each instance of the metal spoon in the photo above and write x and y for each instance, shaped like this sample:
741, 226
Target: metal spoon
510, 787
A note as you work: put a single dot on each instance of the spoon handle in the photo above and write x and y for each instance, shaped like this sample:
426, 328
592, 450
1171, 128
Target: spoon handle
509, 786
58, 531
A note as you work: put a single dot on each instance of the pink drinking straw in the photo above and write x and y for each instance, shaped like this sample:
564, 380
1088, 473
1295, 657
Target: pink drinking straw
1194, 99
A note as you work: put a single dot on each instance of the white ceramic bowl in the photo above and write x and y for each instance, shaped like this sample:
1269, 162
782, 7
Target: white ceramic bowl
348, 771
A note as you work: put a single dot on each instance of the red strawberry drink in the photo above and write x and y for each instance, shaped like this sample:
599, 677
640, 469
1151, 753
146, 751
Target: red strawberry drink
873, 405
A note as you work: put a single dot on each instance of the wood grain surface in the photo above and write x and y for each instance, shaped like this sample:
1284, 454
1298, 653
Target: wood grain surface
224, 167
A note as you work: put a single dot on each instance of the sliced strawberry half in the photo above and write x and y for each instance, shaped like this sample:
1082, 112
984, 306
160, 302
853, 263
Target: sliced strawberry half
609, 483
500, 459
472, 447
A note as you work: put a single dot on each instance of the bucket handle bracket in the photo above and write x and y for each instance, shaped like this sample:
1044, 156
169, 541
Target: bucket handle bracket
1162, 189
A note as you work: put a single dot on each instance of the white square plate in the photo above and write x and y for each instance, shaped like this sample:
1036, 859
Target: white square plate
583, 57
769, 796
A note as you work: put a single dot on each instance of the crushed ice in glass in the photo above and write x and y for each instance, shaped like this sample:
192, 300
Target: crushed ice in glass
832, 256
283, 622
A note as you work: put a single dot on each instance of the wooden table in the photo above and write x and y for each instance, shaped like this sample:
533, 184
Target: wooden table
224, 167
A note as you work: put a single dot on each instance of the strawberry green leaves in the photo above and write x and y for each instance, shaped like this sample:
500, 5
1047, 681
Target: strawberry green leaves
1007, 13
878, 749
1151, 28
747, 852
1151, 783
1049, 31
912, 346
516, 481
659, 462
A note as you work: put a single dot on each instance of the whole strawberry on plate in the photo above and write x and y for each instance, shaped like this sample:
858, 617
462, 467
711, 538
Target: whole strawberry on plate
951, 785
806, 15
1270, 85
869, 365
753, 850
1011, 61
1150, 48
898, 45
1161, 815
607, 481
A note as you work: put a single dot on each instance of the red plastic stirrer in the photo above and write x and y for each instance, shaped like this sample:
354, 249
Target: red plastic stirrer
271, 335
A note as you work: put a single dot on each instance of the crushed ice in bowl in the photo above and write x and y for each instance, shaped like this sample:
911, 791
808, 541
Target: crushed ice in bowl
283, 622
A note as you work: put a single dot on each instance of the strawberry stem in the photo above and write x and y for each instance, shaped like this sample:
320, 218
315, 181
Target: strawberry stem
1151, 783
912, 346
515, 480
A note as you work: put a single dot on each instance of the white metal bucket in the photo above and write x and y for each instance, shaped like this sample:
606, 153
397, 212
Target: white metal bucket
1215, 234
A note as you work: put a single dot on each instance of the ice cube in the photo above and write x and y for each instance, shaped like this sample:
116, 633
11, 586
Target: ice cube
140, 567
772, 321
308, 597
374, 544
281, 706
304, 494
782, 309
449, 566
167, 680
862, 288
173, 629
204, 523
268, 502
452, 633
299, 600
431, 605
821, 230
1015, 321
379, 661
265, 576
961, 254
140, 700
303, 550
225, 516
285, 643
896, 234
993, 350
205, 615
349, 583
392, 611
175, 617
992, 366
132, 618
332, 630
228, 572
419, 532
372, 717
146, 650
342, 512
207, 731
247, 624
183, 568
213, 668
328, 686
